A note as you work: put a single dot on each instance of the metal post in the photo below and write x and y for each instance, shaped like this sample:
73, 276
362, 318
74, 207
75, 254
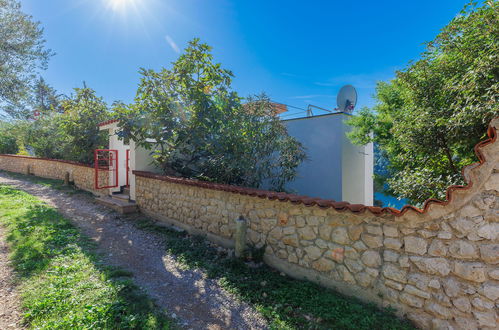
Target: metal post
240, 237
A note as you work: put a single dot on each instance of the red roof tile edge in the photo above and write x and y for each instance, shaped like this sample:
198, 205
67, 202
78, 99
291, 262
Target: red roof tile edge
49, 159
327, 203
107, 122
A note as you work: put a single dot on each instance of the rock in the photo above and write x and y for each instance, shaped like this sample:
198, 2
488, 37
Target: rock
371, 258
490, 253
363, 279
313, 252
404, 262
433, 266
434, 284
354, 232
321, 243
351, 253
444, 235
325, 232
437, 324
462, 225
323, 265
292, 258
392, 243
486, 319
411, 300
353, 265
390, 231
490, 290
419, 280
493, 182
306, 233
340, 236
482, 304
416, 292
462, 250
415, 245
359, 246
489, 231
345, 274
375, 230
474, 272
452, 287
463, 304
427, 233
437, 248
494, 274
288, 230
394, 285
390, 256
394, 273
291, 240
438, 310
466, 323
372, 241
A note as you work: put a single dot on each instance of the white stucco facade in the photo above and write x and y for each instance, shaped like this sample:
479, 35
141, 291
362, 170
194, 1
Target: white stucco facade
335, 169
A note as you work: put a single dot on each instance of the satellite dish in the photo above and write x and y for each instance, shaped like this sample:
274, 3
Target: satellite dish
346, 99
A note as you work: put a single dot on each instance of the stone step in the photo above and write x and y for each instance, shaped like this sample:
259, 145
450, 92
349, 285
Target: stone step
123, 207
121, 197
126, 190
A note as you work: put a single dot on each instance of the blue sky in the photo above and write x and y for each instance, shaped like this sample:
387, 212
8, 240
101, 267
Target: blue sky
298, 52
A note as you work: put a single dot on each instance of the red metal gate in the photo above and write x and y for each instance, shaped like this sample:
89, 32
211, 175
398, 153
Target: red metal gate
106, 161
127, 167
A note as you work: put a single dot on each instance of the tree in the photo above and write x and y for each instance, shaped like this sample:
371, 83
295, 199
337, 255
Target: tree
8, 141
427, 120
22, 53
202, 130
83, 111
45, 98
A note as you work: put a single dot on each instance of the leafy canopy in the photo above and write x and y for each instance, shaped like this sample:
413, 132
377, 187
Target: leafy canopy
428, 119
22, 53
201, 128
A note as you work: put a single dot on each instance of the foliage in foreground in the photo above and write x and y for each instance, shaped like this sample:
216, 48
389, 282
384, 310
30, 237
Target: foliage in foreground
63, 283
285, 302
201, 128
68, 130
22, 54
429, 118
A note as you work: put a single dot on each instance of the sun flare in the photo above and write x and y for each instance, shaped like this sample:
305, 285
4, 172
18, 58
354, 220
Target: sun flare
120, 5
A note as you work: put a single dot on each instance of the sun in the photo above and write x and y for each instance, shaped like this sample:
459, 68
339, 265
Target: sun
121, 5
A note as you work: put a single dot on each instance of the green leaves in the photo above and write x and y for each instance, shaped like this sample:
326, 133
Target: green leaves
203, 130
428, 119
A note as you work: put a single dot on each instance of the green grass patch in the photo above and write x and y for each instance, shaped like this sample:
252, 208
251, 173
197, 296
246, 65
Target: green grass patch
285, 302
63, 282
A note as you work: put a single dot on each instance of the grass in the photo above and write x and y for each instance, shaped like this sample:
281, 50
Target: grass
63, 283
285, 302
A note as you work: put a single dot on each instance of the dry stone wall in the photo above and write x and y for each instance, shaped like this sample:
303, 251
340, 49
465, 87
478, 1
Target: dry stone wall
80, 174
438, 266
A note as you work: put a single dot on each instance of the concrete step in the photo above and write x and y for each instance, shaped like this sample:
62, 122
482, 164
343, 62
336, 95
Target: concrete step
123, 207
126, 190
121, 197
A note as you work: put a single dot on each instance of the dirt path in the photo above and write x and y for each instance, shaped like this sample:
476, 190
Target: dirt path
10, 313
197, 302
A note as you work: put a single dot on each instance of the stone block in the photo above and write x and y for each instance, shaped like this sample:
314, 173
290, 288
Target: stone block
433, 266
371, 258
489, 231
291, 240
482, 304
325, 232
390, 256
390, 231
394, 285
353, 265
354, 232
462, 250
340, 236
416, 292
462, 303
474, 272
374, 229
392, 243
313, 252
307, 233
437, 248
438, 310
486, 319
490, 253
490, 290
372, 241
411, 300
394, 273
415, 245
323, 265
363, 279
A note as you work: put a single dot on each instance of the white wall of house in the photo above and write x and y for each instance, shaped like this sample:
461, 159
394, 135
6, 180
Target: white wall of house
335, 169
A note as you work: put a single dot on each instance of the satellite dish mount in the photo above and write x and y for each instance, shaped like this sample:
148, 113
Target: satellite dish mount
346, 99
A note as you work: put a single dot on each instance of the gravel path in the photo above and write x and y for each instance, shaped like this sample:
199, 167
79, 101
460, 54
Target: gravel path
188, 295
10, 314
